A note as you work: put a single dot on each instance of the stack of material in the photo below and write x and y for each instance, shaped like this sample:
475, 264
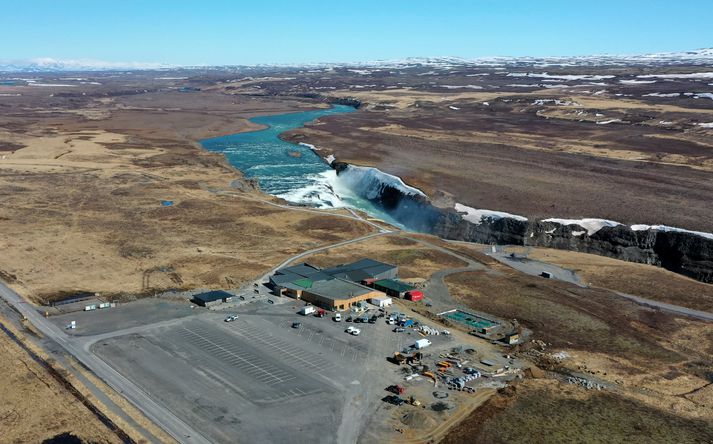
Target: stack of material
425, 329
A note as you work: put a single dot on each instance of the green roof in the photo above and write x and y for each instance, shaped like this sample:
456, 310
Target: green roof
305, 283
397, 286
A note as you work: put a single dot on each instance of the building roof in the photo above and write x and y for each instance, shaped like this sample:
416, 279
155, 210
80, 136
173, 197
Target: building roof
211, 296
395, 285
338, 289
304, 269
304, 282
359, 270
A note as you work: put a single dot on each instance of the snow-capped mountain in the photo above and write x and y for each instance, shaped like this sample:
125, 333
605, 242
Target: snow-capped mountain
696, 57
47, 64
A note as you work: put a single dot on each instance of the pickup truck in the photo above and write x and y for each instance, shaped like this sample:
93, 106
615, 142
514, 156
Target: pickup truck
231, 318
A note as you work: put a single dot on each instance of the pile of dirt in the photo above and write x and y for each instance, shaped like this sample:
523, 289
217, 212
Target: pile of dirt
418, 419
442, 406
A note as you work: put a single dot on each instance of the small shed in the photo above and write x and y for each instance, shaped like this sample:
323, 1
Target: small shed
381, 302
211, 298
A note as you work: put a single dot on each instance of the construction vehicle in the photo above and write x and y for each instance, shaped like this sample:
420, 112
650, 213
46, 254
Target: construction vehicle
321, 313
396, 389
399, 358
432, 376
444, 364
413, 401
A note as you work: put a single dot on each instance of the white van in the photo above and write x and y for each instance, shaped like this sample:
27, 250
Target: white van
338, 317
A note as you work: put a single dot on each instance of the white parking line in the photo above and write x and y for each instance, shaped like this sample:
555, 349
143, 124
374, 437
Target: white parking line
253, 368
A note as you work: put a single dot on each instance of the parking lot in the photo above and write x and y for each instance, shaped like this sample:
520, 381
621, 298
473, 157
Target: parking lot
314, 383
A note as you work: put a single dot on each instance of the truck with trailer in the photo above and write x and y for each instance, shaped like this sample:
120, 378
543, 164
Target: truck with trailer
308, 310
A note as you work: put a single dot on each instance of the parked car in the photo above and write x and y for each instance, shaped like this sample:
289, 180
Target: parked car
348, 319
296, 324
355, 332
338, 317
350, 329
372, 320
394, 399
231, 318
399, 330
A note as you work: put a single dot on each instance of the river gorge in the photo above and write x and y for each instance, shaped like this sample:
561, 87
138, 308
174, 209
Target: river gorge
299, 175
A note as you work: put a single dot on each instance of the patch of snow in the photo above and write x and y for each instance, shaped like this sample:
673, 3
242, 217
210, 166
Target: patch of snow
695, 75
607, 122
49, 84
704, 96
455, 108
309, 145
478, 75
170, 78
522, 85
641, 227
544, 75
486, 103
362, 72
636, 82
665, 122
551, 231
656, 94
555, 102
578, 233
705, 125
591, 225
460, 86
479, 216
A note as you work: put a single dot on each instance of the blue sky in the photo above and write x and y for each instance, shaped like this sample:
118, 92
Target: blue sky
236, 32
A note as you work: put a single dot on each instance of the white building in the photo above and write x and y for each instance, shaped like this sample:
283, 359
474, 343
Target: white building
381, 302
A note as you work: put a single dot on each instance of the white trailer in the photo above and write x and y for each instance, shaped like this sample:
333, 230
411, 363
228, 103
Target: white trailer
422, 343
307, 310
381, 302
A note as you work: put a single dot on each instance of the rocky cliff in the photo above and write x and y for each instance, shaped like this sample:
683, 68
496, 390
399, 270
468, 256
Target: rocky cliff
681, 252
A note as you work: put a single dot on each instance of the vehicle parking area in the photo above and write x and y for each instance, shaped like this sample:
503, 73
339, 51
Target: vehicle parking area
304, 376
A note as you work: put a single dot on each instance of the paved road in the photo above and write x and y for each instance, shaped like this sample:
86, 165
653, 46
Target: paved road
181, 431
676, 309
534, 268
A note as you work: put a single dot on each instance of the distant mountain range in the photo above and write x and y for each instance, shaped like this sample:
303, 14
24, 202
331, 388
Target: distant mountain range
696, 57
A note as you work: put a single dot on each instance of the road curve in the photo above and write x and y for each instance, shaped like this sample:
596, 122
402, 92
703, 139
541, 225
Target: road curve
164, 418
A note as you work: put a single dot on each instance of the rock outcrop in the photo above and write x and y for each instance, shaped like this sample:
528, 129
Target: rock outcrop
682, 252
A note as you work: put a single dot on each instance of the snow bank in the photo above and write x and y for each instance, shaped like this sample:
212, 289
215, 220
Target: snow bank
309, 145
664, 228
636, 82
460, 86
662, 95
591, 225
705, 125
479, 216
695, 75
544, 75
